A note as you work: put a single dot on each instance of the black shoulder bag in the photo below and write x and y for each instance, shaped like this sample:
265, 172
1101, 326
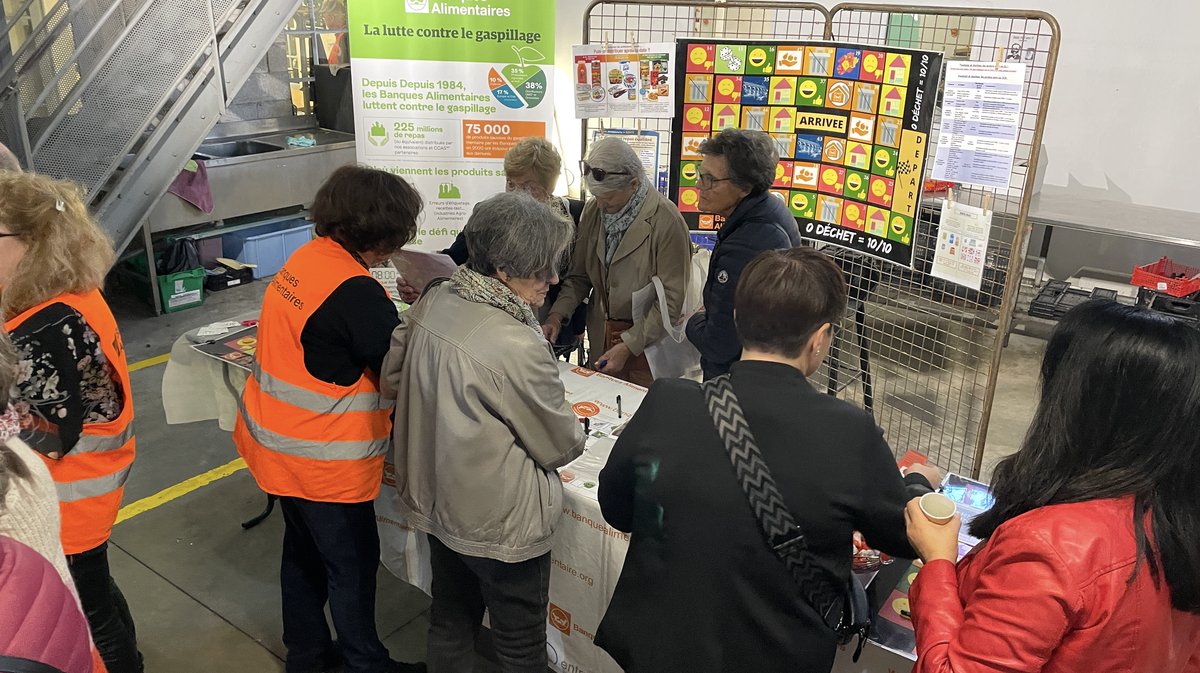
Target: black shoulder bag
845, 608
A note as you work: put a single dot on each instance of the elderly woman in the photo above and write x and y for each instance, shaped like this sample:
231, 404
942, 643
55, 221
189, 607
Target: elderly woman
73, 389
737, 170
482, 425
694, 599
311, 424
629, 233
531, 166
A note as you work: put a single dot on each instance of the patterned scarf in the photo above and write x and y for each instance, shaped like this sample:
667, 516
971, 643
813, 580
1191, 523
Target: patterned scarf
618, 223
481, 289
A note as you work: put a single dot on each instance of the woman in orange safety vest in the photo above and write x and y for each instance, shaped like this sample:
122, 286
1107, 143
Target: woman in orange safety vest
73, 391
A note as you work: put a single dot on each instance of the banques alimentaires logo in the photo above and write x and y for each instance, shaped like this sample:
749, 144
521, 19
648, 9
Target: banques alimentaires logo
458, 8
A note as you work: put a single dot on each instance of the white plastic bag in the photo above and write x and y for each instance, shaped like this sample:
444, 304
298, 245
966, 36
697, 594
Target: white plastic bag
673, 356
402, 550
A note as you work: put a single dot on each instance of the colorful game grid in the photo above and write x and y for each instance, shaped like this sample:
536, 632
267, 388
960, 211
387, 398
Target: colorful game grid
851, 123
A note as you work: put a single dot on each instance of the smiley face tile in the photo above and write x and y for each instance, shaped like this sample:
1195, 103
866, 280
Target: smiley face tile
857, 183
900, 228
803, 204
810, 91
832, 180
881, 190
701, 57
872, 66
689, 200
689, 173
883, 161
760, 60
729, 89
697, 117
783, 174
854, 215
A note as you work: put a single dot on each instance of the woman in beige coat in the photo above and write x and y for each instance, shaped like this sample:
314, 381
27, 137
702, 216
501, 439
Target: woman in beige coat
628, 234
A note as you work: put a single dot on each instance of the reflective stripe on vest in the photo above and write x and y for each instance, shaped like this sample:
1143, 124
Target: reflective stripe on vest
97, 443
301, 448
318, 403
91, 476
73, 491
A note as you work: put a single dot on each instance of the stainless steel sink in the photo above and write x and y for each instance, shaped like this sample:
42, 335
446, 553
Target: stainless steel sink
236, 148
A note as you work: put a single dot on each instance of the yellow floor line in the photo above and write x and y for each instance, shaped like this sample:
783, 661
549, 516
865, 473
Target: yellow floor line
149, 362
178, 490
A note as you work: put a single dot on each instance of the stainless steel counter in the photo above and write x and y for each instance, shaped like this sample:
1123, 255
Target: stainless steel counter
248, 183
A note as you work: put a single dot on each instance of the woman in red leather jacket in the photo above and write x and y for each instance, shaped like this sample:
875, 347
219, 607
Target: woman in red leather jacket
1091, 554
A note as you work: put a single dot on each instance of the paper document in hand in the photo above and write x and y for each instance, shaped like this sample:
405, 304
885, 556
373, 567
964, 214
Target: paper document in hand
419, 268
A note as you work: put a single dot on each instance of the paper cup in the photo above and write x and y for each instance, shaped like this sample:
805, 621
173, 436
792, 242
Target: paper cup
937, 507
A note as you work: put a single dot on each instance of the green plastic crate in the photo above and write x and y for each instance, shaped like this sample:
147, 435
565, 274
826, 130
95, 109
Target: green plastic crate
177, 291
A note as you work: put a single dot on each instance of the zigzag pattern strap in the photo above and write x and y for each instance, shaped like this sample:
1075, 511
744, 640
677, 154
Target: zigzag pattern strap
774, 518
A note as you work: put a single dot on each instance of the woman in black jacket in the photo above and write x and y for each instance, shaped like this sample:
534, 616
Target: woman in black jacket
701, 590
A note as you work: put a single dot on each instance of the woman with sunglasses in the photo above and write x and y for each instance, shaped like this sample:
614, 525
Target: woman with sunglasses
628, 234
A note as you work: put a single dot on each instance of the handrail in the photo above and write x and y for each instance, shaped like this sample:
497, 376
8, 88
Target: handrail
80, 46
71, 99
44, 45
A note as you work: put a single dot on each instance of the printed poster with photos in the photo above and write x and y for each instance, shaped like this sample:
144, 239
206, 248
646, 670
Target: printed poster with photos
626, 80
851, 123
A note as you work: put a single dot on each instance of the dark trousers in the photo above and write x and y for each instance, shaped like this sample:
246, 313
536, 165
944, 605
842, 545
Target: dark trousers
515, 594
106, 611
330, 555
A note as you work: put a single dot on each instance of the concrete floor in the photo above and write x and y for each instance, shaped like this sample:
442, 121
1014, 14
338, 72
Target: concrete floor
204, 592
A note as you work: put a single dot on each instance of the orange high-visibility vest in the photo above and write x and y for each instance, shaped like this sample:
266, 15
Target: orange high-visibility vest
300, 436
90, 478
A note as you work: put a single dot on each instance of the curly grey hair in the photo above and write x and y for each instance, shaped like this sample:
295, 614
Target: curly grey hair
614, 156
517, 234
752, 157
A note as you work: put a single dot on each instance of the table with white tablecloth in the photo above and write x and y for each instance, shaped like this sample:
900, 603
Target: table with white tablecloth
588, 553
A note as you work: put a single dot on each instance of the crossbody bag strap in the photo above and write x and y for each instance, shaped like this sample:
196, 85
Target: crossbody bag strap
775, 520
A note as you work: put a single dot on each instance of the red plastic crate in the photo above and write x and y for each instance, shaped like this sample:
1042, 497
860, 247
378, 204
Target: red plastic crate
1165, 275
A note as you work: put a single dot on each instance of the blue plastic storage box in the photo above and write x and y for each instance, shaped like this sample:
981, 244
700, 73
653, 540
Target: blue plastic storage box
268, 245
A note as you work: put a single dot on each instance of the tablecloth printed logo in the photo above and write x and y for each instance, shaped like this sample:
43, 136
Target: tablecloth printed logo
583, 371
417, 6
585, 409
560, 619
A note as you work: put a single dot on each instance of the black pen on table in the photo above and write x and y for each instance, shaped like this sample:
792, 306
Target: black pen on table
619, 414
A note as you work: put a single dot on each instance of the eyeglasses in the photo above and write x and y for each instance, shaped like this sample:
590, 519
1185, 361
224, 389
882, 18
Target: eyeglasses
2, 235
598, 174
706, 181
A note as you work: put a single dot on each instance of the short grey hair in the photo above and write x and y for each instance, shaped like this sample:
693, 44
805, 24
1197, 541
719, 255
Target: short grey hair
752, 157
614, 154
517, 234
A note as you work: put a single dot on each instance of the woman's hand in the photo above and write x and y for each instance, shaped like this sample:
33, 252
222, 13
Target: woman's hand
930, 472
933, 541
408, 293
552, 327
613, 362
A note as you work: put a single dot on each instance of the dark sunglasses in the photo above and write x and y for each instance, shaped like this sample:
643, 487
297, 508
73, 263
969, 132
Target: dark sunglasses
598, 174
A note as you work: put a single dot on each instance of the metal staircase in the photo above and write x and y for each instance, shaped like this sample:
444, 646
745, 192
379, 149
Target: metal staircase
117, 94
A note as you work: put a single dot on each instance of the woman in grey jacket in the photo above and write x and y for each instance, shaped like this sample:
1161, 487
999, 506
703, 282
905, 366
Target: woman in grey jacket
482, 425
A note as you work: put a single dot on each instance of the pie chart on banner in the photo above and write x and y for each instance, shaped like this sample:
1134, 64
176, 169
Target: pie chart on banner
518, 86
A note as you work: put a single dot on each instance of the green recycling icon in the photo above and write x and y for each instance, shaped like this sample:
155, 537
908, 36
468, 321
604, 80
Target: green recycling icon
448, 190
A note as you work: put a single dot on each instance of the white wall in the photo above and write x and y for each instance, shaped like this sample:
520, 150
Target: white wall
1124, 120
